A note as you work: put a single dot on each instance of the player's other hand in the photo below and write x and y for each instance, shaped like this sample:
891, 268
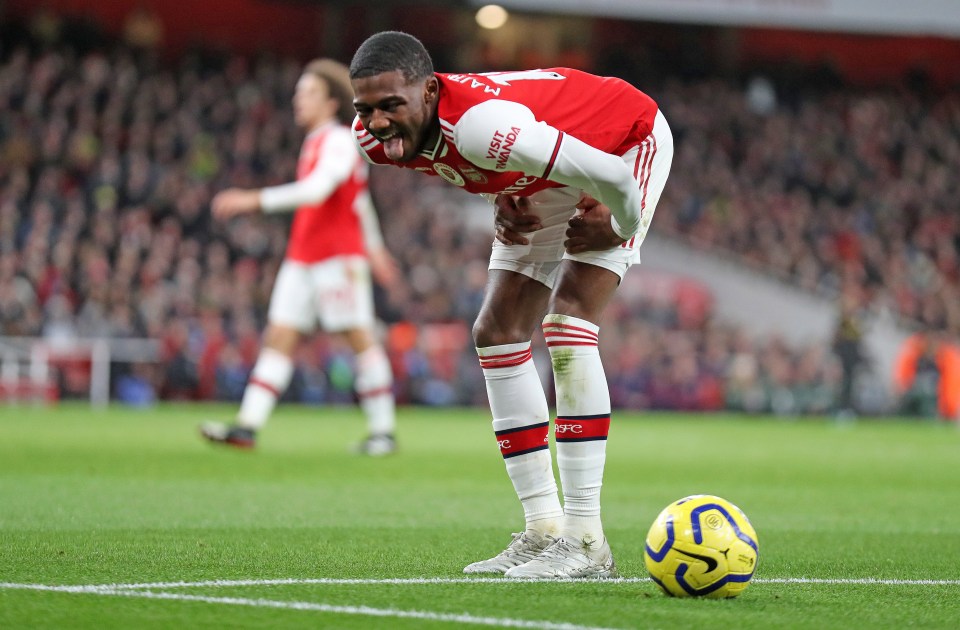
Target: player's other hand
384, 267
513, 219
590, 229
234, 201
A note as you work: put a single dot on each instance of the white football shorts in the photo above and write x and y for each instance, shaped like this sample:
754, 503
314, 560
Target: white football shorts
540, 260
336, 293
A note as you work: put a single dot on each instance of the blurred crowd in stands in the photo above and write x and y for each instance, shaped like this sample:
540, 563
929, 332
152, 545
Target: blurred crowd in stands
109, 158
842, 189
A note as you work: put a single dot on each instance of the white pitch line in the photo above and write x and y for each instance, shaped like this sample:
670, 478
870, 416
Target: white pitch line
92, 588
79, 588
346, 581
462, 618
142, 590
438, 580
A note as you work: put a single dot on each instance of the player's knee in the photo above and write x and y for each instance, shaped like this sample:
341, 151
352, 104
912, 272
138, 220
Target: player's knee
572, 308
487, 333
281, 338
359, 339
577, 305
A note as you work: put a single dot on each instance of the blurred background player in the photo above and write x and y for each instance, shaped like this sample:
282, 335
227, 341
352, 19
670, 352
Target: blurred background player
575, 164
927, 376
334, 244
848, 348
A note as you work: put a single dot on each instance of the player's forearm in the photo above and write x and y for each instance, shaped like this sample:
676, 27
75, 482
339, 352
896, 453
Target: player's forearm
288, 197
603, 176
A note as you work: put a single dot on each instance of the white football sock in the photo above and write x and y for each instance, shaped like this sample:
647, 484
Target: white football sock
583, 421
270, 378
521, 422
374, 385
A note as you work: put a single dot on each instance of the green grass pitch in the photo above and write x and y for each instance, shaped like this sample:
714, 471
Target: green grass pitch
859, 524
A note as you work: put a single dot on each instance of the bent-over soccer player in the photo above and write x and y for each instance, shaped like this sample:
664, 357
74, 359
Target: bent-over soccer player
574, 165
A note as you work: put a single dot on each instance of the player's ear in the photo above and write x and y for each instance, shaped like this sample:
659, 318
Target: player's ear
431, 90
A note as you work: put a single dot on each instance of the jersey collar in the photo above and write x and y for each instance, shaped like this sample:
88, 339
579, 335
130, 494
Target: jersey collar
438, 150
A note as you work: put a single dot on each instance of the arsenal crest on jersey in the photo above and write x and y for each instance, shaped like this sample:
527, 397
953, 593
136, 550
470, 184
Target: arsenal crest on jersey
448, 173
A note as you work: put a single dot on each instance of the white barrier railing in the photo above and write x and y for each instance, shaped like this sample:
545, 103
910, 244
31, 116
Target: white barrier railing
25, 363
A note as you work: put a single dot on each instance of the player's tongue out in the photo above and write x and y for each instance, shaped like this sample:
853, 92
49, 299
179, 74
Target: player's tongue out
393, 147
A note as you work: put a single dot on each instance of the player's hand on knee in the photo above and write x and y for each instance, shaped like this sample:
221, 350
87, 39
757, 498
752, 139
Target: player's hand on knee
513, 219
590, 229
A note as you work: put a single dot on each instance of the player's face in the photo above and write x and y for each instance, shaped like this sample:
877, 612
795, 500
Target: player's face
312, 105
399, 114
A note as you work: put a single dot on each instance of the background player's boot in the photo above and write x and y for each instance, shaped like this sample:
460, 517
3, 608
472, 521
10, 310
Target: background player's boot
569, 559
230, 434
524, 547
377, 445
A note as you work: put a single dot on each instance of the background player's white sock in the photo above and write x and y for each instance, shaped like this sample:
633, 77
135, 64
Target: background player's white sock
270, 378
521, 421
583, 420
374, 385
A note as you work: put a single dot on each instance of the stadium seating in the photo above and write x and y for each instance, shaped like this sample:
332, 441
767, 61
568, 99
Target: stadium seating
108, 160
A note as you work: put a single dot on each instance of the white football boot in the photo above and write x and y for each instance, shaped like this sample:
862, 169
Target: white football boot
524, 547
569, 559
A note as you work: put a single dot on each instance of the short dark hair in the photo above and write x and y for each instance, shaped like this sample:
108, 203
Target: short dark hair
337, 78
389, 51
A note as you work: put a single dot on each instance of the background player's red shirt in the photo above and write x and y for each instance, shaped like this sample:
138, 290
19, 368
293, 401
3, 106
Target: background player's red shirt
332, 227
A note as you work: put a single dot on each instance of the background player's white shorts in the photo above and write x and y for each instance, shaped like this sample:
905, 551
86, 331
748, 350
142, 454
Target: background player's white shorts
336, 293
540, 260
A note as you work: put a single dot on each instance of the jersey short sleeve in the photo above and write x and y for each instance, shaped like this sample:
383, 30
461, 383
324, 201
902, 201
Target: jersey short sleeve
505, 136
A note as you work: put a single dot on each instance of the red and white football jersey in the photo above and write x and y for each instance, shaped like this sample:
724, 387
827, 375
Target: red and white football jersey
331, 227
522, 132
